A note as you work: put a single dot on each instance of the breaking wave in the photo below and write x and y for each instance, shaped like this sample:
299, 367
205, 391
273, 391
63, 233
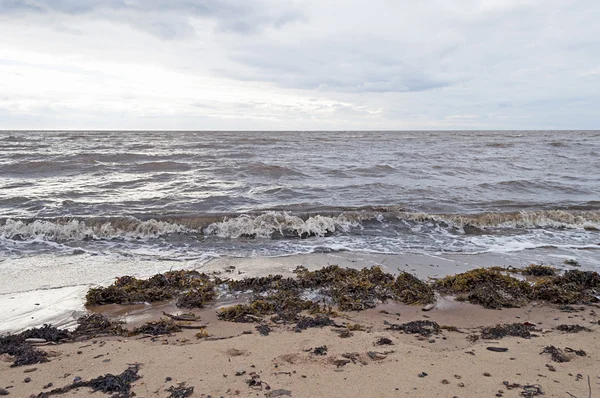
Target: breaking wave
80, 230
552, 219
384, 221
282, 224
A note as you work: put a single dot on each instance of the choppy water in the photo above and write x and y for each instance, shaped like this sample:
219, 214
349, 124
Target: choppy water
187, 195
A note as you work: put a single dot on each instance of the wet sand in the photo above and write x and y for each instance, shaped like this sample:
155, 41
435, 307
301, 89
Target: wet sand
285, 360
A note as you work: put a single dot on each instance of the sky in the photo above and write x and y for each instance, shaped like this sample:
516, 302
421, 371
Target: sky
299, 64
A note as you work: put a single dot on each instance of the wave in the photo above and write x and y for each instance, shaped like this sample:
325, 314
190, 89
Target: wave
80, 230
280, 224
272, 171
554, 219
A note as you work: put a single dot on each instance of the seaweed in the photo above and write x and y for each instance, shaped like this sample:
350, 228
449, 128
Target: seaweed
579, 353
263, 329
411, 290
160, 287
487, 287
424, 328
538, 270
17, 346
513, 329
48, 333
572, 328
318, 321
286, 305
573, 287
263, 284
556, 354
356, 290
197, 297
384, 341
98, 324
155, 328
120, 384
181, 391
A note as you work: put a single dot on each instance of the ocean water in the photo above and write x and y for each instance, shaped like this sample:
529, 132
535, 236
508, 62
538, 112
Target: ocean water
145, 198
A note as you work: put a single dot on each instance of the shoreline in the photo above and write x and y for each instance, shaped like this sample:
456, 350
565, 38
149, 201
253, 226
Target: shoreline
53, 299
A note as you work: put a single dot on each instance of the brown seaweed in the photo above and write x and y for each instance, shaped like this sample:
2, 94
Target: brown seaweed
513, 329
118, 385
424, 328
487, 287
127, 289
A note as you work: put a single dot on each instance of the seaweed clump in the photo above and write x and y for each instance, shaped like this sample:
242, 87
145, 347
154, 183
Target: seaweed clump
514, 329
424, 328
181, 391
285, 305
262, 284
556, 354
356, 290
318, 321
487, 287
573, 287
118, 385
17, 346
98, 324
538, 270
573, 328
127, 289
155, 328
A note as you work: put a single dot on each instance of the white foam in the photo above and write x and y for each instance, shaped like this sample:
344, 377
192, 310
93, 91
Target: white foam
80, 230
267, 224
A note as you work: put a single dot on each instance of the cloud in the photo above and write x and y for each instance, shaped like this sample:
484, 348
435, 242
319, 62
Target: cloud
166, 20
313, 64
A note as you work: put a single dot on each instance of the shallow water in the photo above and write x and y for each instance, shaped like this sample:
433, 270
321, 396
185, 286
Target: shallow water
140, 202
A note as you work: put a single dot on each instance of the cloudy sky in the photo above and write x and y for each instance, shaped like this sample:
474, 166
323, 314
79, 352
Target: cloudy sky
299, 64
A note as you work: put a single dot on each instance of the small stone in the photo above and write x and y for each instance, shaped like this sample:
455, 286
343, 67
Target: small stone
423, 374
3, 391
461, 384
29, 370
240, 372
486, 374
428, 307
457, 376
445, 381
168, 378
76, 379
27, 379
48, 385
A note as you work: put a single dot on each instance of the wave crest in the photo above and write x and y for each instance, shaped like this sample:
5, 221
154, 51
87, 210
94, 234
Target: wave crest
555, 219
80, 230
281, 224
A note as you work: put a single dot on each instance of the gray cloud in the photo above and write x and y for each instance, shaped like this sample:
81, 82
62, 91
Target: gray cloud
166, 20
309, 65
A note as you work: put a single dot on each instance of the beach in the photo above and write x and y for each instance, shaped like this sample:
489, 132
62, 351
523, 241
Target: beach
445, 364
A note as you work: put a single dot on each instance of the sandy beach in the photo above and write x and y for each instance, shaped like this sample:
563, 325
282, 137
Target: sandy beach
285, 363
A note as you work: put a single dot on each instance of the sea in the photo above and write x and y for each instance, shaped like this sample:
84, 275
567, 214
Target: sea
79, 208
